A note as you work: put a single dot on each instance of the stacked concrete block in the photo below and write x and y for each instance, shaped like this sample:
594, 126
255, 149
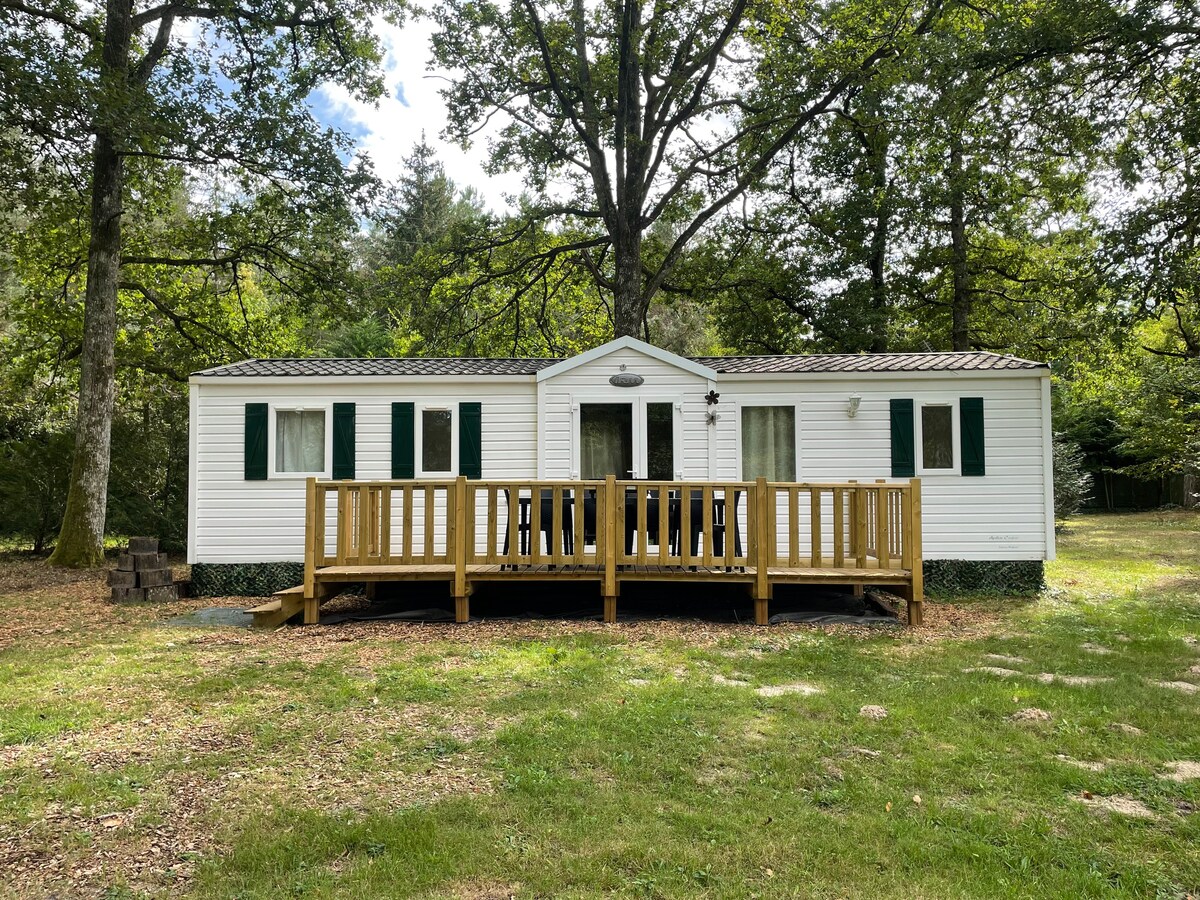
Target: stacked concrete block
142, 573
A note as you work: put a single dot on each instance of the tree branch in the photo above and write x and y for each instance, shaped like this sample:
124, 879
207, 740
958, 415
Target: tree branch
50, 15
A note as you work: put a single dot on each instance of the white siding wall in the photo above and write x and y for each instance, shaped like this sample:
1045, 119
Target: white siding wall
1003, 515
234, 520
588, 383
1000, 516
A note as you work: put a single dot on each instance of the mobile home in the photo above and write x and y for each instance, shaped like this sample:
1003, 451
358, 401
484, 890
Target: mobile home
638, 458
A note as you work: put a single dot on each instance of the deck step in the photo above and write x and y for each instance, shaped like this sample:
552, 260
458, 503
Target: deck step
283, 606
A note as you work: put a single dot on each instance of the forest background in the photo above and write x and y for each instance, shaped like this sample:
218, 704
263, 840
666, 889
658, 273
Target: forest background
1021, 176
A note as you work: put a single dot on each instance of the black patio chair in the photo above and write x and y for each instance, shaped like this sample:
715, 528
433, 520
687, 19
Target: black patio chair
720, 524
633, 525
525, 524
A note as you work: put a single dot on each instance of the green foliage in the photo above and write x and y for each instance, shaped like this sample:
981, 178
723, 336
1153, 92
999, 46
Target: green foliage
1061, 134
1134, 407
148, 485
34, 467
1072, 482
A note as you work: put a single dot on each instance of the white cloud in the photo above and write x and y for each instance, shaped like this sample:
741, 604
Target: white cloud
414, 105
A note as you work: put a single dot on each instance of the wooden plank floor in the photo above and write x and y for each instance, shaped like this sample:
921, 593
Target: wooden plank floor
548, 572
824, 573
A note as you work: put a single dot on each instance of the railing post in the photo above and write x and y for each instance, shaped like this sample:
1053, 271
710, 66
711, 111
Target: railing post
364, 524
816, 539
882, 525
762, 554
456, 536
610, 548
916, 601
310, 550
343, 524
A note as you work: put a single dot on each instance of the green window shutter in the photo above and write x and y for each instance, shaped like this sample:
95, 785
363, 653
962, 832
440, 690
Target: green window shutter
903, 449
256, 442
343, 440
470, 440
404, 464
970, 423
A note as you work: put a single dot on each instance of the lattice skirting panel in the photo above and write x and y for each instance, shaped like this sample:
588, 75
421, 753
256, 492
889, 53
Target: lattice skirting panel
244, 579
946, 578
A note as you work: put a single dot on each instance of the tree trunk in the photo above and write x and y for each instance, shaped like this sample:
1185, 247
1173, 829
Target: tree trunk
81, 539
877, 144
629, 306
629, 300
960, 300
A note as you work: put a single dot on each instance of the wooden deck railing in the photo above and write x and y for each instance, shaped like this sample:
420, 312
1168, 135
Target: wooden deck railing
753, 529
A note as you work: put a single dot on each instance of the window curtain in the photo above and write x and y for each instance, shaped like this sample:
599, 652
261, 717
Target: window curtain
600, 450
605, 440
769, 443
937, 437
300, 441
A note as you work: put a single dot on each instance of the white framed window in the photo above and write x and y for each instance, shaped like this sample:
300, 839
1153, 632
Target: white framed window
937, 438
436, 440
300, 441
767, 442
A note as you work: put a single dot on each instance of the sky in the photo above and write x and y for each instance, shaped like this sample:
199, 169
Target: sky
387, 132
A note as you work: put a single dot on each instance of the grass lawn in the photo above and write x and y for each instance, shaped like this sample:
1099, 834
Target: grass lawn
646, 759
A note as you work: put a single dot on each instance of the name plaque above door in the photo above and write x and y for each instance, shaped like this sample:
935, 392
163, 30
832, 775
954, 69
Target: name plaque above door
626, 379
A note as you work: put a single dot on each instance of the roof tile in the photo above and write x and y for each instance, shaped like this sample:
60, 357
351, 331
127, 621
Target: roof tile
316, 367
970, 361
973, 361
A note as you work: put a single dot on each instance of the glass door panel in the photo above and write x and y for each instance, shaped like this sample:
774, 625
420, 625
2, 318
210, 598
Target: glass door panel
605, 440
660, 441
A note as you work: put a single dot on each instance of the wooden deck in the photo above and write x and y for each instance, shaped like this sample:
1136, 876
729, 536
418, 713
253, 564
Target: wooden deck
611, 532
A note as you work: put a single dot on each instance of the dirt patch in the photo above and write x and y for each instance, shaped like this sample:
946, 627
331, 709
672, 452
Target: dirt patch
1081, 763
994, 670
1125, 806
1043, 677
1030, 714
875, 713
1005, 660
778, 690
1095, 648
1126, 728
760, 728
1182, 770
1184, 687
483, 890
729, 682
862, 751
719, 772
1194, 670
1074, 680
957, 621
